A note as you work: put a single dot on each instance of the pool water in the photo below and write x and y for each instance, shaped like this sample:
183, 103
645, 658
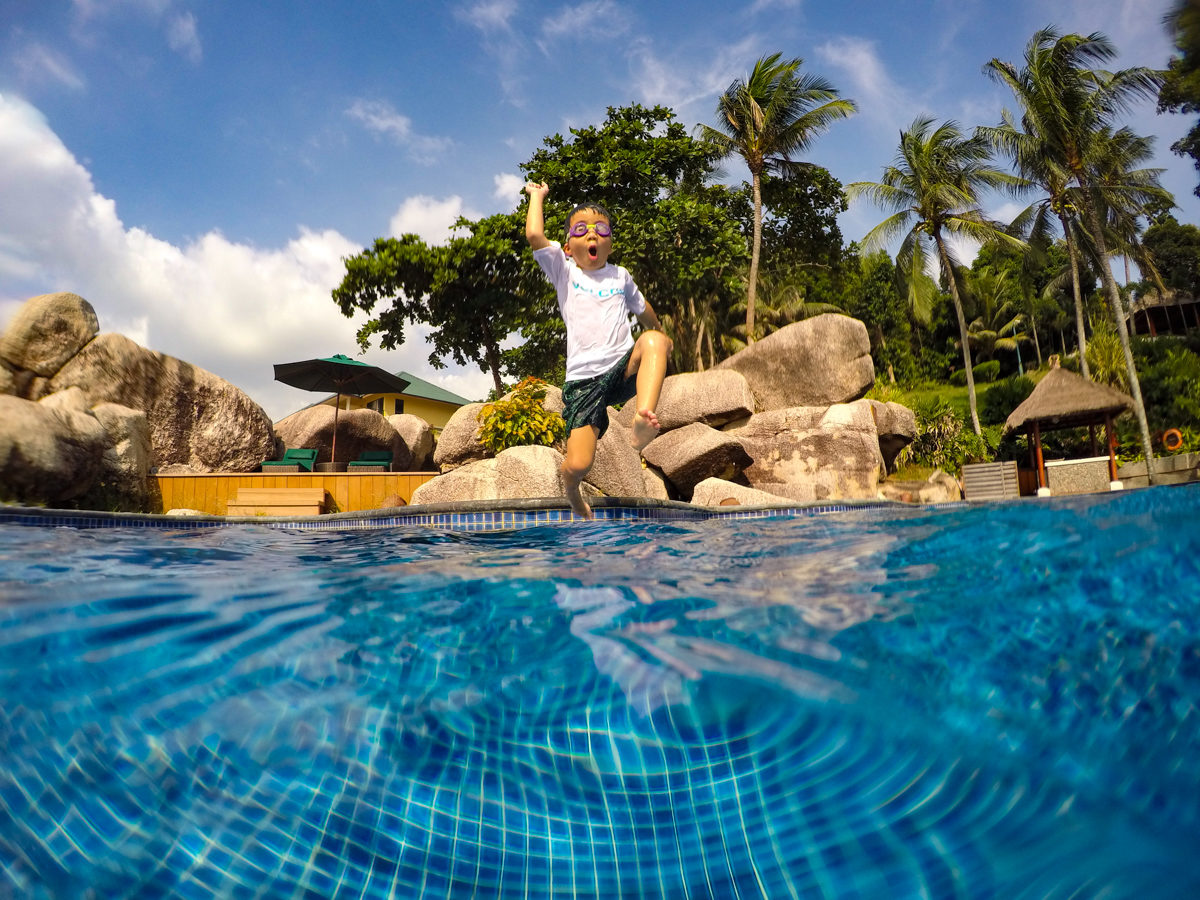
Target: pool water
997, 700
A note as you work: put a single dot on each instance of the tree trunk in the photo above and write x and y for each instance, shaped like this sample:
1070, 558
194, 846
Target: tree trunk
492, 352
962, 329
1073, 252
755, 248
1114, 299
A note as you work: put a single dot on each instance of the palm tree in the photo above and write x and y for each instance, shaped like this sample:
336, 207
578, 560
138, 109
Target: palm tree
767, 119
934, 186
1069, 105
1126, 194
999, 322
1036, 166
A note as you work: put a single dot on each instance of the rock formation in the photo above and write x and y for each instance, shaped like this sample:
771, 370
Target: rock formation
417, 435
358, 430
779, 422
86, 416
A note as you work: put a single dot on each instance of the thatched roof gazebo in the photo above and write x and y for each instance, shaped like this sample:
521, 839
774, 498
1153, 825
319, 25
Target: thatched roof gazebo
1065, 400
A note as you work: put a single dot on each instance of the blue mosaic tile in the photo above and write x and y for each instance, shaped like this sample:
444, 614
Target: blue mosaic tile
498, 520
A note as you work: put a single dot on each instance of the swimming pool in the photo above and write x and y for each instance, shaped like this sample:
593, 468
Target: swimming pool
976, 701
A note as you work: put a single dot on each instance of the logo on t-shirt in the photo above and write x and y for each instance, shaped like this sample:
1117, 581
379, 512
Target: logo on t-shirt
602, 292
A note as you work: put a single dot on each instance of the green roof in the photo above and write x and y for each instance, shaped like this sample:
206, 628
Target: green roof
418, 387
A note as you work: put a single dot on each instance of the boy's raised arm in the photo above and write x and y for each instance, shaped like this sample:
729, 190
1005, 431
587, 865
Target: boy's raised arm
535, 224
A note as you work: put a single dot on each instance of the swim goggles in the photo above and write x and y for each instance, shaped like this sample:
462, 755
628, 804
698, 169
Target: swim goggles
579, 229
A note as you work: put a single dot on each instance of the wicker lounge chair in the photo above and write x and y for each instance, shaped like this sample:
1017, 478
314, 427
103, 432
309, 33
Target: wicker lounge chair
372, 461
294, 459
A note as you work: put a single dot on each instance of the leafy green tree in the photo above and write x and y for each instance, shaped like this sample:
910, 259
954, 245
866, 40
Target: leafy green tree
1175, 249
934, 188
767, 119
679, 235
473, 293
1180, 91
873, 296
1071, 104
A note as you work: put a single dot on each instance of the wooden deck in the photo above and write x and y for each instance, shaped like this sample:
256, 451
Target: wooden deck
348, 491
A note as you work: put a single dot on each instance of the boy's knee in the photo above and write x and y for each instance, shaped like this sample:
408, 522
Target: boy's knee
656, 340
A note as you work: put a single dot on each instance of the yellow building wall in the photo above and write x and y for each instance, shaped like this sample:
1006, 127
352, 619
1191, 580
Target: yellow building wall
436, 413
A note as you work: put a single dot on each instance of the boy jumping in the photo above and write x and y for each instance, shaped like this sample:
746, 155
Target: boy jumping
596, 300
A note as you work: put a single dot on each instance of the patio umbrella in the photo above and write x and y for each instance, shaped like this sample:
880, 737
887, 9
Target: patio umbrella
339, 375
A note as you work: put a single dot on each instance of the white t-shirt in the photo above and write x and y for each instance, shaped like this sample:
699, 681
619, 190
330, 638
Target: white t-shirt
595, 305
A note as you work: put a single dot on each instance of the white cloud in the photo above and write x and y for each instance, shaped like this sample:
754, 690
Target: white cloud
689, 83
183, 38
381, 118
880, 100
429, 218
508, 187
36, 63
764, 5
230, 308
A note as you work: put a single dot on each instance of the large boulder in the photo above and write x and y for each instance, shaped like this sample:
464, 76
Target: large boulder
195, 418
714, 397
47, 331
516, 473
417, 435
688, 455
358, 430
125, 463
719, 492
459, 443
896, 426
815, 362
939, 487
814, 453
617, 470
50, 451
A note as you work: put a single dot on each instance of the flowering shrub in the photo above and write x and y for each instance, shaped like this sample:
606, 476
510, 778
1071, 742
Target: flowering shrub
521, 420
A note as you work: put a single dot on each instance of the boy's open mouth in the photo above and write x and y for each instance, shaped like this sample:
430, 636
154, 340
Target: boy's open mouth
592, 251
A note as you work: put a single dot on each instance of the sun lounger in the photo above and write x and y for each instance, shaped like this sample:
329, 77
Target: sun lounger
372, 461
294, 459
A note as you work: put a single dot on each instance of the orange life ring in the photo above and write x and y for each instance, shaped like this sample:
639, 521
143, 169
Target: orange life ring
1172, 440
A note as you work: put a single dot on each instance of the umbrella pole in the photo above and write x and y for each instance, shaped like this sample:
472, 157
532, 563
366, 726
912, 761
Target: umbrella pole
337, 405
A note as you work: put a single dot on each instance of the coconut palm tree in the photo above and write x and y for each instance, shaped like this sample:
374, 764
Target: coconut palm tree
1037, 167
1069, 104
998, 322
1126, 194
767, 119
934, 187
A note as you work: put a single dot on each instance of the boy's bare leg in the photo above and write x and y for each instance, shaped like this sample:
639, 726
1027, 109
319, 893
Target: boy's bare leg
649, 360
581, 453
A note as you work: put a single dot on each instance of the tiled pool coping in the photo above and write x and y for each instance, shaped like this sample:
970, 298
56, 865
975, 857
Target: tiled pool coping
467, 515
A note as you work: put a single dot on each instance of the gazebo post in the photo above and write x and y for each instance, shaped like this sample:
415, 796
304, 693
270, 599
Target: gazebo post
1112, 446
1092, 439
1037, 441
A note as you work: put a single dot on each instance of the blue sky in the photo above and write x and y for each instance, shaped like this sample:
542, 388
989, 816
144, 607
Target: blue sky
198, 170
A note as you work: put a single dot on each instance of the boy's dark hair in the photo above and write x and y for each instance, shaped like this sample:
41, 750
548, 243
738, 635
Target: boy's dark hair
593, 207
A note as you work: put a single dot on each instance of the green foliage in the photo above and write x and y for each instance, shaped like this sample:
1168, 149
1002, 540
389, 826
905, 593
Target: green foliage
521, 420
987, 372
1180, 90
872, 295
942, 442
474, 292
1106, 358
1169, 374
1003, 397
984, 373
1175, 250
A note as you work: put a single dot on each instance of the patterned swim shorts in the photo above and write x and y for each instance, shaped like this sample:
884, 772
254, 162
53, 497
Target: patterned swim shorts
587, 400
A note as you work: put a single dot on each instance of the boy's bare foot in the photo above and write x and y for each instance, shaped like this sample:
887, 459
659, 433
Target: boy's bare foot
578, 504
645, 429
